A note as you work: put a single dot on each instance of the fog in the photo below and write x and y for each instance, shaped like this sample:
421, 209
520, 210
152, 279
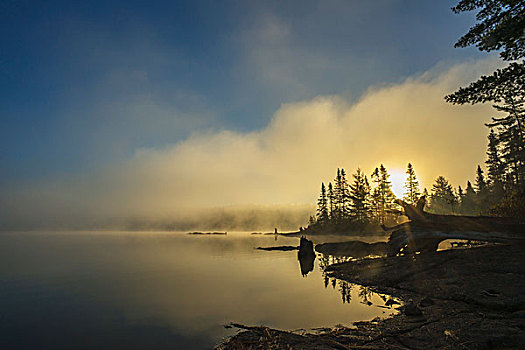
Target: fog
275, 171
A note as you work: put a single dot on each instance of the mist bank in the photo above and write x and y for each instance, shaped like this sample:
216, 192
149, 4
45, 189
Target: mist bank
280, 164
256, 218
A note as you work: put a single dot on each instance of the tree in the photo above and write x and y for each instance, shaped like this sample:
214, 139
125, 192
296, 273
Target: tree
510, 141
460, 196
482, 192
506, 89
322, 207
481, 185
344, 196
500, 26
442, 200
359, 195
337, 214
469, 203
411, 186
376, 208
332, 202
387, 196
495, 167
382, 195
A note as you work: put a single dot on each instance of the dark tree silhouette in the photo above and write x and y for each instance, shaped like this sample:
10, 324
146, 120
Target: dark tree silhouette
359, 194
469, 203
500, 26
412, 193
322, 207
443, 199
495, 167
332, 202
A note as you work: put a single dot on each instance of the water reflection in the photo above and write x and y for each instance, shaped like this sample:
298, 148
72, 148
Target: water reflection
306, 256
348, 290
306, 263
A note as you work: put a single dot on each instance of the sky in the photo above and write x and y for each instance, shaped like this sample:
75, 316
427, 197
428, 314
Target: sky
135, 108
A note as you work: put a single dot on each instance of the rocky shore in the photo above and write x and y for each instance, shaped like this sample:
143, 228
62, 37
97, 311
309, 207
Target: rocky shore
455, 299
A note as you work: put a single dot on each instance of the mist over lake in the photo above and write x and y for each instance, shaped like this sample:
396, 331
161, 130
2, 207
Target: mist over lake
135, 290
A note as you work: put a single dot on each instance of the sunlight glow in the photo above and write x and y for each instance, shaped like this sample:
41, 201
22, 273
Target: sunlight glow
398, 177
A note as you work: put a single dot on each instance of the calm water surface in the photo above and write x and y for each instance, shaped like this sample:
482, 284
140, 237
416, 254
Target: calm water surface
140, 290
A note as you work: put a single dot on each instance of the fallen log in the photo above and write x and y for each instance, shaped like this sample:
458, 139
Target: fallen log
425, 231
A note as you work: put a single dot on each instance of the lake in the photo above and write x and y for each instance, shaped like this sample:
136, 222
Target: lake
154, 290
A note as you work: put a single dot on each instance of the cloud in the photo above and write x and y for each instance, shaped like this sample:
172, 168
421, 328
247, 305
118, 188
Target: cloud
281, 164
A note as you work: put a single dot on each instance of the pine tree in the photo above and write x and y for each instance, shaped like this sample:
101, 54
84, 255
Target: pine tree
376, 196
359, 194
510, 139
469, 203
411, 186
338, 202
482, 192
345, 197
387, 196
382, 195
495, 167
322, 207
442, 200
481, 185
460, 195
499, 27
332, 203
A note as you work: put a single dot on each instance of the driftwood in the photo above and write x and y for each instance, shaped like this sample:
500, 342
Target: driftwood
425, 231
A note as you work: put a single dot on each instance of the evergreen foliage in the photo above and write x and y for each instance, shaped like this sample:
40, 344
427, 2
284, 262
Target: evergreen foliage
500, 26
412, 193
442, 200
322, 207
346, 206
495, 167
359, 194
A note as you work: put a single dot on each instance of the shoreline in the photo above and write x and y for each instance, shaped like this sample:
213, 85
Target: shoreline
456, 299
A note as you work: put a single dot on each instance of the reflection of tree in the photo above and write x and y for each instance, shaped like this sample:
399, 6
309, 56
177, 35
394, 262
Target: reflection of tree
365, 294
327, 260
345, 289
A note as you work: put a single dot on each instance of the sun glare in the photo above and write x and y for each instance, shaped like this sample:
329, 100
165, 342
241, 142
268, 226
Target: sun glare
398, 177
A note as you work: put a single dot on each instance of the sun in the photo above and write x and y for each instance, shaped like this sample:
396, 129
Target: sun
397, 178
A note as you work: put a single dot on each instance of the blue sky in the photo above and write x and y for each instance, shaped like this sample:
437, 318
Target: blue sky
87, 83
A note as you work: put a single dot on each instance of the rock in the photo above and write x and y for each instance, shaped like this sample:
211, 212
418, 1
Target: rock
411, 309
426, 302
519, 314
